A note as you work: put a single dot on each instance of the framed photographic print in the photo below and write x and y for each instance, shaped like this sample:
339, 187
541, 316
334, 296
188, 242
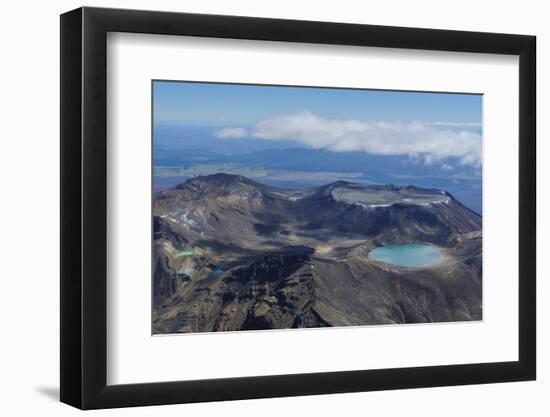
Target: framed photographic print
258, 207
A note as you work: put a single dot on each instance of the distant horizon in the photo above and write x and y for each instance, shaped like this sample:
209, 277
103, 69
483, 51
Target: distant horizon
305, 136
314, 207
325, 184
259, 181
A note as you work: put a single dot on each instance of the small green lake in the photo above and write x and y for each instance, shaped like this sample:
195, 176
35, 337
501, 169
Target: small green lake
407, 254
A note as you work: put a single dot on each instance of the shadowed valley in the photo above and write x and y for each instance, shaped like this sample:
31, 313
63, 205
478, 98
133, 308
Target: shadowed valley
233, 254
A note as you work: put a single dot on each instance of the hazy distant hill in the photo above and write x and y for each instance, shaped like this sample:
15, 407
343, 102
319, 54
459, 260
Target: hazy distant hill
195, 149
231, 254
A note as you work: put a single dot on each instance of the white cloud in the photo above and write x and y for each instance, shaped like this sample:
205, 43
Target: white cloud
455, 124
231, 133
427, 141
446, 167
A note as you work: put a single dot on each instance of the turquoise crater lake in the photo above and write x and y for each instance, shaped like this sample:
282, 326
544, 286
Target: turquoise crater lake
407, 255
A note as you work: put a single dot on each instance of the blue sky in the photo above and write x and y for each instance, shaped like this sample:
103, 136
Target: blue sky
428, 139
204, 104
432, 126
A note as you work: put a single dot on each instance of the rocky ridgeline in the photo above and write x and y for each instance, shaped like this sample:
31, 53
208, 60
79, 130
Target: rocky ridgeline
298, 258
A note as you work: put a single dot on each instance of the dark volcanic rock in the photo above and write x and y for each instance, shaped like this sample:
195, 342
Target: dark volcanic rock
233, 254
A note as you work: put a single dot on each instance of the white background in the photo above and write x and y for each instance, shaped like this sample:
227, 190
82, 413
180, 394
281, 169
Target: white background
29, 217
133, 60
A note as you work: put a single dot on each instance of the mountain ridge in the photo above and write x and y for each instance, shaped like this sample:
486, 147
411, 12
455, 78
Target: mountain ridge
236, 227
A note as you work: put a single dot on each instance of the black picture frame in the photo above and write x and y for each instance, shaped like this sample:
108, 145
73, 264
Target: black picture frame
84, 207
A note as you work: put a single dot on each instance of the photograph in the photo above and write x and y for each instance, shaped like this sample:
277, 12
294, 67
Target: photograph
292, 207
302, 203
